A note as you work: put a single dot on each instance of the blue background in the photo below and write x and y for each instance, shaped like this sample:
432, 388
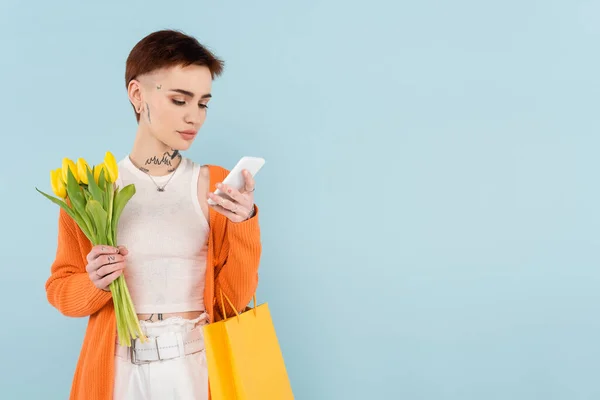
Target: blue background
430, 198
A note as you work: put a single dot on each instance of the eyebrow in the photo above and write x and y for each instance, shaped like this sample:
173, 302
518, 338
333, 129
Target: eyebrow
190, 94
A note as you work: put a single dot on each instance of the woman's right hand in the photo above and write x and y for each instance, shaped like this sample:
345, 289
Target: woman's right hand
105, 264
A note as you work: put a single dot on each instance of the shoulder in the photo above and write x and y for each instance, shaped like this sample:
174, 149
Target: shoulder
211, 172
215, 169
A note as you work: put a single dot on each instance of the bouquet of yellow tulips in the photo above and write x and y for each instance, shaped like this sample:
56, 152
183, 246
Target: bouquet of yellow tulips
91, 198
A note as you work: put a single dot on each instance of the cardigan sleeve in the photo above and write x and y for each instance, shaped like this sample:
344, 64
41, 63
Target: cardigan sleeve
237, 272
237, 277
69, 288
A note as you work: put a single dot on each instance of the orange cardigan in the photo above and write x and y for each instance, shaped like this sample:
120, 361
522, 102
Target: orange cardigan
234, 251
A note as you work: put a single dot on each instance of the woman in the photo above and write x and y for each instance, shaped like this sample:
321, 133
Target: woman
176, 251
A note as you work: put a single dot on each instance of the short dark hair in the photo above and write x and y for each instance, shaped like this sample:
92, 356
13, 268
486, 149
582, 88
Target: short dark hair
168, 48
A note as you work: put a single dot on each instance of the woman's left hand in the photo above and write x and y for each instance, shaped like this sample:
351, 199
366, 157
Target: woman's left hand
240, 204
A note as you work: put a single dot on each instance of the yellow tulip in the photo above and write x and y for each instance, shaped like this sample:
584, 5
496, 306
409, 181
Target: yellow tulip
53, 181
97, 169
58, 187
66, 165
85, 203
82, 169
62, 189
111, 167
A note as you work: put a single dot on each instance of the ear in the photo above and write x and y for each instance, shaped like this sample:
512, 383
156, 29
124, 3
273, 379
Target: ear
134, 91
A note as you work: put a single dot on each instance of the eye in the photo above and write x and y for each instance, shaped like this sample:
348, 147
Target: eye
203, 106
178, 103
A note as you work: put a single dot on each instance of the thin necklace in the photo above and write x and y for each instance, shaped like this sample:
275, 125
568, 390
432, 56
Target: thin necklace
162, 188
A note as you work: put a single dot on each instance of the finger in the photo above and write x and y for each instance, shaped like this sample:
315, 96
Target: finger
104, 282
105, 249
108, 269
123, 250
107, 260
232, 193
233, 206
221, 201
229, 214
239, 210
100, 250
97, 252
248, 182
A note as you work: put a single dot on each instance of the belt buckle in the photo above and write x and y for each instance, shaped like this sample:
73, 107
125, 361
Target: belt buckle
132, 353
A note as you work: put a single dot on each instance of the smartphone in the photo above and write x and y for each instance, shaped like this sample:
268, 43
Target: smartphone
235, 178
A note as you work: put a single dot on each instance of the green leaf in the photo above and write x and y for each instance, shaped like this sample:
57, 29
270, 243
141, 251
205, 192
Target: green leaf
86, 226
61, 203
122, 196
73, 189
99, 216
102, 181
95, 191
72, 213
77, 198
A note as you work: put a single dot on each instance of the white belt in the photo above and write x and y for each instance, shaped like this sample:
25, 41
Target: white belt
163, 347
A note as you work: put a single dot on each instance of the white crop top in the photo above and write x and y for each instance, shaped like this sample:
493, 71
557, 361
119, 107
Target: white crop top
166, 235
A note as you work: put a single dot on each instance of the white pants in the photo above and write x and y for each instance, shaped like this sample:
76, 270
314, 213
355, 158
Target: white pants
182, 378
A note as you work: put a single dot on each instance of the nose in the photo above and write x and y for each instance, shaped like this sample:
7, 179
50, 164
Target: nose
195, 118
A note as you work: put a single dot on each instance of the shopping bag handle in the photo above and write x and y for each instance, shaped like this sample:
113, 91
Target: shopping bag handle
231, 304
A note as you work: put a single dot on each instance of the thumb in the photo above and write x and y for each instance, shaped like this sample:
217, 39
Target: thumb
123, 250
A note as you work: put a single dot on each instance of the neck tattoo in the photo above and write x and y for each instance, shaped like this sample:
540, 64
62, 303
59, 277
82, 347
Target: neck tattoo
165, 160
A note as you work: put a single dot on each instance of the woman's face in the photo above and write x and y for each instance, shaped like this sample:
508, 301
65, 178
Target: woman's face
173, 103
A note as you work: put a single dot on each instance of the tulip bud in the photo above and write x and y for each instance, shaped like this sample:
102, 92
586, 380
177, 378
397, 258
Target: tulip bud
82, 169
111, 167
97, 170
66, 165
58, 186
53, 181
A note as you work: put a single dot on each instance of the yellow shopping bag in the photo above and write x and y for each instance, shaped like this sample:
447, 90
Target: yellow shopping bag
244, 357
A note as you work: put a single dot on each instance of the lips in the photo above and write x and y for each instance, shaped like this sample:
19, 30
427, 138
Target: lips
188, 135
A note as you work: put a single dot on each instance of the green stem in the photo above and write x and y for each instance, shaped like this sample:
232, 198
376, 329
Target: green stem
114, 287
134, 323
110, 232
125, 312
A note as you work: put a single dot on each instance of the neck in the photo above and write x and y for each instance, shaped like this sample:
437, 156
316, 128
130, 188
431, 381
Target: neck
152, 156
